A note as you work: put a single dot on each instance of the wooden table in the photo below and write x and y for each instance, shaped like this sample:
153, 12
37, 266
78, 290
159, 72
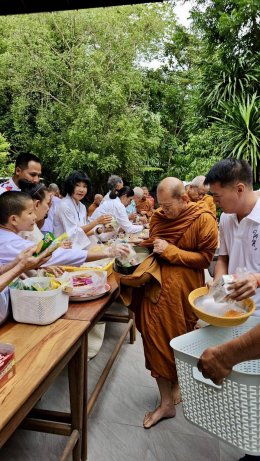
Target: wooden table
41, 354
93, 311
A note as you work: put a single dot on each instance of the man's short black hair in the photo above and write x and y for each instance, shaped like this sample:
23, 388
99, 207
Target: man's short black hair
228, 171
12, 203
24, 158
74, 178
126, 190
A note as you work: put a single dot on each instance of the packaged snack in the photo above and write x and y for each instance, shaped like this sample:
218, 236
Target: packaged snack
7, 363
50, 243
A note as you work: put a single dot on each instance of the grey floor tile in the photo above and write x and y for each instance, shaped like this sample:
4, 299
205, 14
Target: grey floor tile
116, 442
33, 446
124, 403
174, 446
229, 453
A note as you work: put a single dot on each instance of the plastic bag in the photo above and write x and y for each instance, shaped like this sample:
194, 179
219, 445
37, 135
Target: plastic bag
220, 289
129, 259
89, 283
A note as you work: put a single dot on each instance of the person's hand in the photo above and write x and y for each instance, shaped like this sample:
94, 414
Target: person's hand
159, 246
143, 219
215, 364
143, 213
119, 250
104, 219
26, 261
67, 244
243, 288
57, 271
132, 216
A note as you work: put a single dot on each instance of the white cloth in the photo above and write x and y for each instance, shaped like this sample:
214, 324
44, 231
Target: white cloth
115, 208
70, 217
12, 244
4, 305
34, 236
8, 185
241, 242
48, 223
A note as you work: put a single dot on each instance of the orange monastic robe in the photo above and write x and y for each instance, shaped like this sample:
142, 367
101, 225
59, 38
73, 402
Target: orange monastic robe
193, 238
144, 205
208, 200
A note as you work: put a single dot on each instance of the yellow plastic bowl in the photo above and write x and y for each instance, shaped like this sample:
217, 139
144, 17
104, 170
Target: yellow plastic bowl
219, 321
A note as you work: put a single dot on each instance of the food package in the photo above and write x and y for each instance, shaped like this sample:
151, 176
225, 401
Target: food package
88, 283
7, 363
42, 283
130, 259
220, 289
50, 243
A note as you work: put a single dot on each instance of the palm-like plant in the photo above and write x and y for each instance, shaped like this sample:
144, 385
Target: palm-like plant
240, 129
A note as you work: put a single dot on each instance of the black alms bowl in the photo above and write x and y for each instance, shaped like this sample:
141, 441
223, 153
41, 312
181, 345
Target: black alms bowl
142, 254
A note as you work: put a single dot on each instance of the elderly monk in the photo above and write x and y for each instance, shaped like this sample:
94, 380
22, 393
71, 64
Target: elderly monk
143, 205
97, 200
184, 237
198, 192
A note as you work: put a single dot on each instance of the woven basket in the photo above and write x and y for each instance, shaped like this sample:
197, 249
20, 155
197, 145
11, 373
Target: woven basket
38, 307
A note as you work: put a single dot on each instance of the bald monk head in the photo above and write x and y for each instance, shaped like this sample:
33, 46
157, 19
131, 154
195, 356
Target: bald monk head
172, 197
197, 189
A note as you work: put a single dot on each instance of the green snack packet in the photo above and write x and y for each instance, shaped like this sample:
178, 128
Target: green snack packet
44, 243
50, 243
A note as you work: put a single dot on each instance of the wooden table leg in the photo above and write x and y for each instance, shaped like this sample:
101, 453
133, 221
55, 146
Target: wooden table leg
76, 386
84, 446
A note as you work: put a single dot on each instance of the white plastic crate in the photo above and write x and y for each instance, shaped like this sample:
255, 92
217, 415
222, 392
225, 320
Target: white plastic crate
38, 307
231, 411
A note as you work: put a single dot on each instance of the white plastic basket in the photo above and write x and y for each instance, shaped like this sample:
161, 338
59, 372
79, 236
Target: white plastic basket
38, 307
231, 411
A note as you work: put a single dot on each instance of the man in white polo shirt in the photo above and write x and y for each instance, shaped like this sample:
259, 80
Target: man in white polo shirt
27, 166
230, 184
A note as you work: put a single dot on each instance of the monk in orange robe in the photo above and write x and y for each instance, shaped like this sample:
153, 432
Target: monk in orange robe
144, 207
184, 237
197, 192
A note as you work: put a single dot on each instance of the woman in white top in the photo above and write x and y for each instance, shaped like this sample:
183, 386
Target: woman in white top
71, 215
62, 256
115, 206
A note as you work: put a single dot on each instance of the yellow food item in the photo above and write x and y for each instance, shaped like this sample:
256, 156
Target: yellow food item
232, 313
54, 284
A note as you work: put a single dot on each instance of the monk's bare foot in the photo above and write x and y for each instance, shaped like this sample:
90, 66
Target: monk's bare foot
176, 393
158, 414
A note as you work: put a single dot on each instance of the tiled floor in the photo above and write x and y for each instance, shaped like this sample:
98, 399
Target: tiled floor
115, 426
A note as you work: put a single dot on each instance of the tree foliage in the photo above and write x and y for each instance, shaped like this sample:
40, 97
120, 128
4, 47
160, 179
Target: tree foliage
75, 91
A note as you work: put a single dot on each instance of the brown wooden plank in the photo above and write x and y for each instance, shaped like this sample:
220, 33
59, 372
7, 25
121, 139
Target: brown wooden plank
35, 359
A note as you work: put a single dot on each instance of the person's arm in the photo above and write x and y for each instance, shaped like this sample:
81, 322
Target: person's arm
221, 267
25, 261
103, 219
199, 258
216, 363
245, 287
123, 221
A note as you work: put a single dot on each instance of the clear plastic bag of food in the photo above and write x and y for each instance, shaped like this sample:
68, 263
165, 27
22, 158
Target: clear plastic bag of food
221, 288
129, 259
89, 283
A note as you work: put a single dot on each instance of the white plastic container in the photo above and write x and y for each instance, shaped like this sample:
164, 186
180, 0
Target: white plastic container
38, 307
231, 411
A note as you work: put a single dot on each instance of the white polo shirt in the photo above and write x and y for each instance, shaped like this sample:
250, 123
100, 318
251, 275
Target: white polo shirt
241, 242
